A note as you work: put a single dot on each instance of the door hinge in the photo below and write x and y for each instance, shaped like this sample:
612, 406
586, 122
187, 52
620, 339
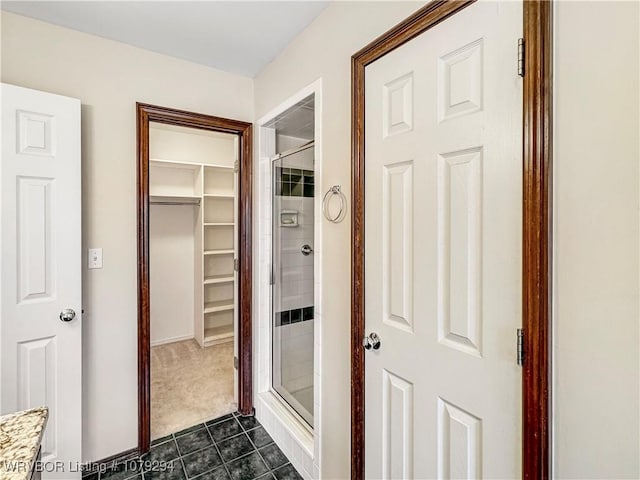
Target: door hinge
236, 264
520, 347
521, 57
235, 362
236, 166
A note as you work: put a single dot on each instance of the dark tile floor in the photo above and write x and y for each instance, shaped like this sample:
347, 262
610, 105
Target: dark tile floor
231, 447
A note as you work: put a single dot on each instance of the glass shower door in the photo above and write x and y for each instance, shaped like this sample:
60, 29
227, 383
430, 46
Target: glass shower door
293, 280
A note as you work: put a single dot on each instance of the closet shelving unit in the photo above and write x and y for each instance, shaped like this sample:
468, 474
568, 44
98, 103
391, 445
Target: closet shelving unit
212, 190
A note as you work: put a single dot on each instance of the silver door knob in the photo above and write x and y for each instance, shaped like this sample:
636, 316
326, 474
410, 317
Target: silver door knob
372, 342
67, 315
306, 249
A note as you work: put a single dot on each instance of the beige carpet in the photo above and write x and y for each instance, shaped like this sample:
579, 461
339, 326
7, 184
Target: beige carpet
189, 385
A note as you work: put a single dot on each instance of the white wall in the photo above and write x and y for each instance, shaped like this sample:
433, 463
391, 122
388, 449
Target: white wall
180, 144
171, 266
109, 78
596, 234
324, 51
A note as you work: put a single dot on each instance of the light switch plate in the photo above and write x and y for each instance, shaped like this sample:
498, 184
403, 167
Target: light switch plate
95, 258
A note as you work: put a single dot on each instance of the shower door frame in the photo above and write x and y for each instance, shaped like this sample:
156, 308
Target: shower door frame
244, 131
288, 427
284, 397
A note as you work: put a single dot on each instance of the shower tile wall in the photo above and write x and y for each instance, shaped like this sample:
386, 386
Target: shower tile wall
296, 280
296, 269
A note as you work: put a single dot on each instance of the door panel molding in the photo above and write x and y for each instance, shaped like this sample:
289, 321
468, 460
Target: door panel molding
150, 113
536, 268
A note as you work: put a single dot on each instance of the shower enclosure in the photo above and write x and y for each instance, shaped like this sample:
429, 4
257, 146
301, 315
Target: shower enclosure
293, 278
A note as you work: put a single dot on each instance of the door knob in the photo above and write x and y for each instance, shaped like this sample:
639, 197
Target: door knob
306, 249
372, 342
67, 315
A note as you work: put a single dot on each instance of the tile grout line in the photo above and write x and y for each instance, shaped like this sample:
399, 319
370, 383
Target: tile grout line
215, 444
255, 448
173, 437
181, 456
271, 470
184, 469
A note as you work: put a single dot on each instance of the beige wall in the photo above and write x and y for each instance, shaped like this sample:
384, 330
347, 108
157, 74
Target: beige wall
596, 184
324, 50
109, 77
597, 235
596, 332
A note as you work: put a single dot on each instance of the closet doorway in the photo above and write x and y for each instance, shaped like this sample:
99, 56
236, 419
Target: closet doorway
194, 270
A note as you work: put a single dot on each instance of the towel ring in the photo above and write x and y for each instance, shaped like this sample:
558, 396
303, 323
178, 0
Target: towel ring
326, 200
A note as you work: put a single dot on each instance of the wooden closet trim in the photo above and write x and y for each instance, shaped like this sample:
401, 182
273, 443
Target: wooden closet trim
536, 209
151, 113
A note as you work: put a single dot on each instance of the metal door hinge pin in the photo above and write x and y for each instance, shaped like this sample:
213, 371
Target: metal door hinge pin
521, 57
520, 347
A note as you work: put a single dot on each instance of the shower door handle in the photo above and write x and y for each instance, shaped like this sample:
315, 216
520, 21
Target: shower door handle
372, 342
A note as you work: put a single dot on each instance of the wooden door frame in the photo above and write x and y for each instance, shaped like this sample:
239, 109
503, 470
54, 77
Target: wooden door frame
536, 228
151, 113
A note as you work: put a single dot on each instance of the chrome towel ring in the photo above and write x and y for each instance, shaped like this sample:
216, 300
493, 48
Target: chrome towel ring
326, 200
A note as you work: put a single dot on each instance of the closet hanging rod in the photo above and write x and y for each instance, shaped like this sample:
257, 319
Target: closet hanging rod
293, 150
174, 200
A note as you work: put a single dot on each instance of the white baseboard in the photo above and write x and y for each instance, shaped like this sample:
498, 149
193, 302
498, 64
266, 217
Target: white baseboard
162, 341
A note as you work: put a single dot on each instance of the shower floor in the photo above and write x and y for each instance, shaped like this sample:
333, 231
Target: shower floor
305, 397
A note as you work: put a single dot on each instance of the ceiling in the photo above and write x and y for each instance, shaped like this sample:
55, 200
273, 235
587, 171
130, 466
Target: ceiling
297, 121
235, 36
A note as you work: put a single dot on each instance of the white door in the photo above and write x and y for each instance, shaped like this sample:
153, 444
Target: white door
443, 243
41, 355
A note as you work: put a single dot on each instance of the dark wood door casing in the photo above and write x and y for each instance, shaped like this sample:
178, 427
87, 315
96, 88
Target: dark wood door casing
151, 113
536, 208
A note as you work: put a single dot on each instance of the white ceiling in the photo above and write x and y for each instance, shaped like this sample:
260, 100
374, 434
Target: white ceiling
235, 36
297, 121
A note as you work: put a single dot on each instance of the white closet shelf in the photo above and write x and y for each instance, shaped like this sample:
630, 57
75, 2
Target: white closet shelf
174, 199
158, 162
220, 306
219, 224
215, 335
219, 195
219, 167
218, 279
219, 252
192, 165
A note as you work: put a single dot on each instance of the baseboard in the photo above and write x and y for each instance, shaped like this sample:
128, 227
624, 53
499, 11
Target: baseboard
91, 468
171, 340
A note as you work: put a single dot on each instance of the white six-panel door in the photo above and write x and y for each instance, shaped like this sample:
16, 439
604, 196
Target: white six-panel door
443, 226
41, 355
